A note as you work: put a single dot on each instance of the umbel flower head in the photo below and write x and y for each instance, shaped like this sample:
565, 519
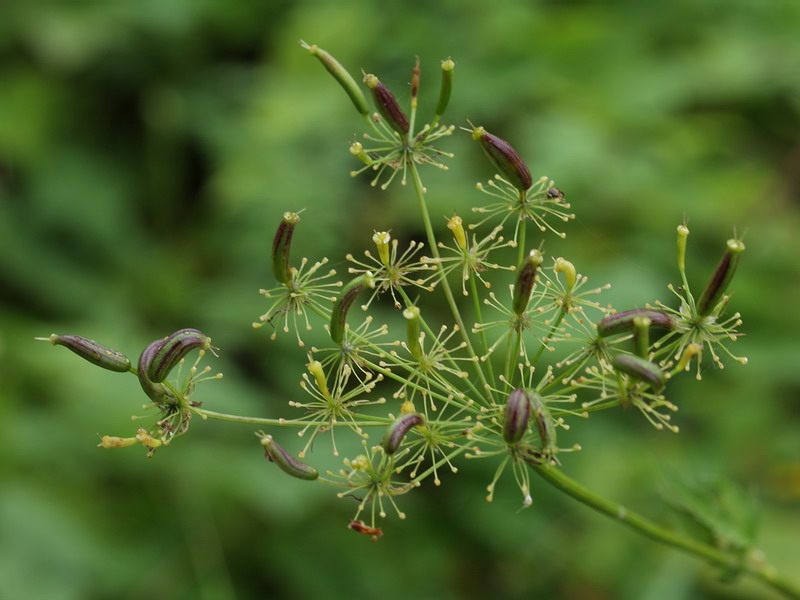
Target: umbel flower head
301, 289
702, 322
394, 141
517, 195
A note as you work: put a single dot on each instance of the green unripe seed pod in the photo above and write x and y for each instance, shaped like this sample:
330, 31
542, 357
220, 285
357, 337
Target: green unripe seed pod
448, 67
641, 369
345, 301
285, 461
516, 416
93, 352
398, 430
342, 76
172, 349
504, 158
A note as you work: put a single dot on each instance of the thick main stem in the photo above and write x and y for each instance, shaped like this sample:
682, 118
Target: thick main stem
644, 526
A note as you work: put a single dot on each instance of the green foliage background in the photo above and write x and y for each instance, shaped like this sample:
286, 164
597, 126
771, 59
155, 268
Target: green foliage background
147, 150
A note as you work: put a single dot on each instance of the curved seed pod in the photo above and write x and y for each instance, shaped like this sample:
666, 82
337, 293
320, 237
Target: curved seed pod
172, 350
505, 158
721, 278
446, 90
545, 425
93, 352
568, 269
281, 246
526, 278
641, 369
345, 301
342, 76
398, 430
516, 416
622, 322
287, 463
157, 392
387, 105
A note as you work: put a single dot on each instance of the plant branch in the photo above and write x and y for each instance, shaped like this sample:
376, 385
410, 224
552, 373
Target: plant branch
647, 528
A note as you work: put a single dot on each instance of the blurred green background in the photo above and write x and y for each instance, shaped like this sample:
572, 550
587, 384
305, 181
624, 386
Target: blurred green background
147, 150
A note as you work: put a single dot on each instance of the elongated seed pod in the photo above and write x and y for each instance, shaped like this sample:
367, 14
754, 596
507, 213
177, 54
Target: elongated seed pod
281, 246
93, 352
641, 369
721, 278
411, 315
545, 425
398, 430
342, 76
448, 67
287, 463
505, 158
516, 416
526, 278
157, 392
345, 301
622, 322
172, 350
387, 105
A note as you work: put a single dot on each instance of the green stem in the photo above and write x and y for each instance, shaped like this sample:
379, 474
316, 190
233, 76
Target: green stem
448, 292
370, 421
479, 319
647, 528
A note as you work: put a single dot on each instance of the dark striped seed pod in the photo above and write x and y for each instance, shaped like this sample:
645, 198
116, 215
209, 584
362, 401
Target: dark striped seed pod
622, 322
526, 278
545, 425
516, 416
342, 76
281, 246
505, 158
345, 301
721, 278
398, 430
387, 105
641, 369
448, 67
287, 463
93, 352
157, 392
172, 350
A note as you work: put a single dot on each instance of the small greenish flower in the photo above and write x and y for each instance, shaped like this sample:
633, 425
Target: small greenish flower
540, 202
306, 290
430, 365
471, 259
391, 269
615, 387
334, 405
370, 478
